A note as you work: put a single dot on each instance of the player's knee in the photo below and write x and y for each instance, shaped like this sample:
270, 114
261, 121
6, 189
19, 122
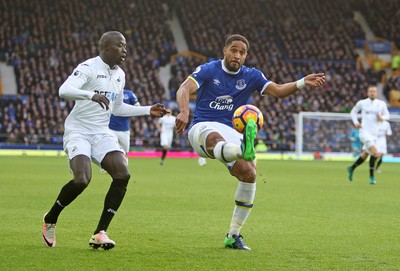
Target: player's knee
120, 183
123, 176
248, 176
81, 182
244, 172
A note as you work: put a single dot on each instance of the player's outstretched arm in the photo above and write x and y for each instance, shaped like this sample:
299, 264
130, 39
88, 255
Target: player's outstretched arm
157, 111
284, 90
182, 97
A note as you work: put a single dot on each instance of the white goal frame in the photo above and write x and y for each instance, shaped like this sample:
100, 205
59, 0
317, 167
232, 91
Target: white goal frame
326, 116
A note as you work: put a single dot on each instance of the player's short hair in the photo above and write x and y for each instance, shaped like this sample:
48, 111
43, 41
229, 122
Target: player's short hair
236, 37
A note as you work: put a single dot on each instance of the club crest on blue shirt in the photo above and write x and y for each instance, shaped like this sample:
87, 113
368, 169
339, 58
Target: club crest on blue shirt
240, 84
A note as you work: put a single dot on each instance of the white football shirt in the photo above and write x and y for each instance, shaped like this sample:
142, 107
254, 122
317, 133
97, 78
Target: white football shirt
167, 125
96, 77
369, 111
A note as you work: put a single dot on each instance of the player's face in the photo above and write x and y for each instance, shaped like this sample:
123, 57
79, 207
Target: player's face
235, 55
372, 93
117, 50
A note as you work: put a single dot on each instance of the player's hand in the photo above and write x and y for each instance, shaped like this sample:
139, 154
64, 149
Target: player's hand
181, 121
315, 79
157, 110
379, 117
101, 100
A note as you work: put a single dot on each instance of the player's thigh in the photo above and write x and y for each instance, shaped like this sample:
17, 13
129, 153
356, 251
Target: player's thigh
102, 145
381, 146
199, 133
81, 168
77, 144
166, 140
78, 149
116, 165
368, 140
123, 138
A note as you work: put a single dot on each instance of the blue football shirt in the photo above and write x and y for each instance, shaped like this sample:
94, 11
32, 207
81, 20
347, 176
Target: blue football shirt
220, 91
118, 123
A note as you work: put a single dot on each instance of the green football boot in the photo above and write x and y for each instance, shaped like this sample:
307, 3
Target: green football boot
249, 135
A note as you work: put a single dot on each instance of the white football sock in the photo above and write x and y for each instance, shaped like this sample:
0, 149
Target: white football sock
227, 152
244, 202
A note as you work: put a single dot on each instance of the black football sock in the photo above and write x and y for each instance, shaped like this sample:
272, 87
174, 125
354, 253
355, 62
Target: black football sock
164, 153
358, 162
68, 193
379, 163
372, 161
113, 200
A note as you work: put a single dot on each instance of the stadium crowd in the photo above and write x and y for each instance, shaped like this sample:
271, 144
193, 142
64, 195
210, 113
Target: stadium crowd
44, 40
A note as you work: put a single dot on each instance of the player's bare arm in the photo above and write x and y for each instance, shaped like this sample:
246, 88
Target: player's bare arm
284, 90
182, 97
101, 100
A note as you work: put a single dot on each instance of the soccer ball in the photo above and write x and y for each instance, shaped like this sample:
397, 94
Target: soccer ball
243, 114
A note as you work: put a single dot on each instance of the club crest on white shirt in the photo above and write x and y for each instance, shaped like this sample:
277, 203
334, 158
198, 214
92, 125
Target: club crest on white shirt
77, 73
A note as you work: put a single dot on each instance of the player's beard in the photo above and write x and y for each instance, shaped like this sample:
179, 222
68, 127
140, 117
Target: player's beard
233, 66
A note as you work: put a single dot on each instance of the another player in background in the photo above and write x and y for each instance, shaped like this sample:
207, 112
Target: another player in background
355, 141
166, 126
222, 86
381, 145
202, 161
120, 126
373, 113
96, 86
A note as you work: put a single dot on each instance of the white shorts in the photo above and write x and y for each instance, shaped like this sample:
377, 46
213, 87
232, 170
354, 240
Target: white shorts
199, 132
93, 146
368, 140
166, 139
381, 145
123, 138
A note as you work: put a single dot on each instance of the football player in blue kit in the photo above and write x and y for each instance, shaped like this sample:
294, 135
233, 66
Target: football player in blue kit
120, 126
222, 86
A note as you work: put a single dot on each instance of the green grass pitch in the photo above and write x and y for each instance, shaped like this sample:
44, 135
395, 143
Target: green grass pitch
306, 216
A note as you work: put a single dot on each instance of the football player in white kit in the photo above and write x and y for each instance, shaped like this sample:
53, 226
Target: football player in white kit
381, 144
96, 86
373, 113
166, 126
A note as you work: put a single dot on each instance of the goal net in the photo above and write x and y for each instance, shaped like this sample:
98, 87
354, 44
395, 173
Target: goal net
319, 133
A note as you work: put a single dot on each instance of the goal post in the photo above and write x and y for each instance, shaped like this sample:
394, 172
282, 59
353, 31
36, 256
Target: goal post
329, 133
